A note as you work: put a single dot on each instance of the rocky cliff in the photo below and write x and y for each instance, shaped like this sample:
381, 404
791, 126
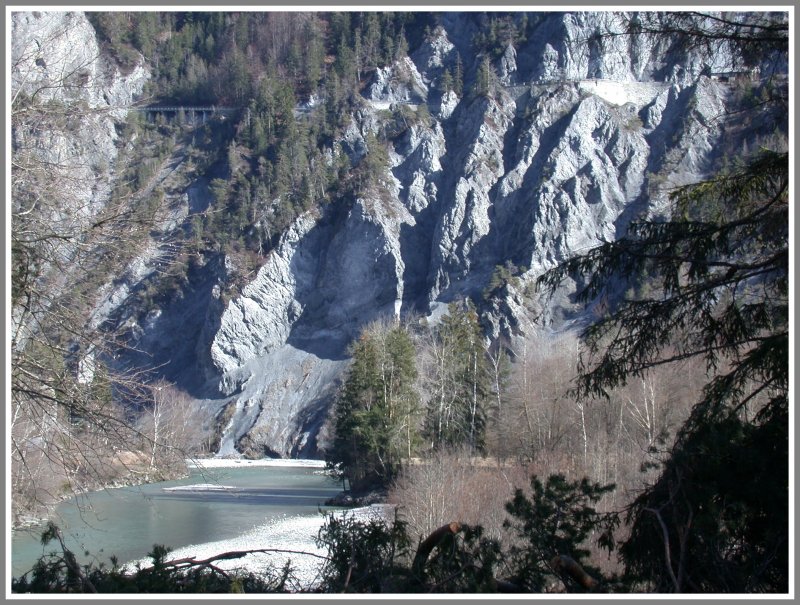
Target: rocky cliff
579, 134
56, 57
558, 159
67, 147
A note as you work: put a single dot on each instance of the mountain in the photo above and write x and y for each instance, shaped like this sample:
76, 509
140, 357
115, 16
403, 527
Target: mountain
559, 136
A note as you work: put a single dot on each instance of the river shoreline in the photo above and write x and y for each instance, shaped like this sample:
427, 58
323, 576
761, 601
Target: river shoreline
26, 522
295, 536
294, 533
202, 463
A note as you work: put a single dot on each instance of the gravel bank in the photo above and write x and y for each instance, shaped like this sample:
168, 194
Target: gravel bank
237, 462
295, 534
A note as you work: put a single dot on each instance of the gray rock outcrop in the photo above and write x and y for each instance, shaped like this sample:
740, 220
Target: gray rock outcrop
578, 135
55, 57
530, 177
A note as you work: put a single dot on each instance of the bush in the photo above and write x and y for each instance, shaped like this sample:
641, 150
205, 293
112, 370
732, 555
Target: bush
374, 556
61, 573
365, 556
554, 525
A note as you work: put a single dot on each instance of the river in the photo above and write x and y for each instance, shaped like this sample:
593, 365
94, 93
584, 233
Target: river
212, 505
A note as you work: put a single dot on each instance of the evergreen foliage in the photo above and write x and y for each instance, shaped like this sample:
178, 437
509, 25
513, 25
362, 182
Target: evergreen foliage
364, 556
499, 31
458, 76
558, 519
722, 268
374, 167
485, 79
465, 561
375, 414
719, 268
265, 64
503, 275
379, 417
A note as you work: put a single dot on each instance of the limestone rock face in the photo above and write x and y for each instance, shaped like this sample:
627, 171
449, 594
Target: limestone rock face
435, 55
282, 342
55, 57
574, 139
56, 60
508, 65
258, 321
398, 83
556, 159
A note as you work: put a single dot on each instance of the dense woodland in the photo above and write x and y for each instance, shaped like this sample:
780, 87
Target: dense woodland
265, 64
277, 162
632, 437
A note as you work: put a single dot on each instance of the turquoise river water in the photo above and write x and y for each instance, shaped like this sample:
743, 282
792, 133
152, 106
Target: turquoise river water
126, 522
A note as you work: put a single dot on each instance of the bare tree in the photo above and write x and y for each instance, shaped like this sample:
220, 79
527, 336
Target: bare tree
451, 485
169, 430
436, 379
500, 430
68, 232
539, 398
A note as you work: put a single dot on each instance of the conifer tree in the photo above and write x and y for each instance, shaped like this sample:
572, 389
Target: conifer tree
716, 519
375, 414
446, 81
484, 79
458, 76
720, 271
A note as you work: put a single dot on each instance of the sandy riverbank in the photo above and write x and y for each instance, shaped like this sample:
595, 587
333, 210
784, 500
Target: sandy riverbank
291, 533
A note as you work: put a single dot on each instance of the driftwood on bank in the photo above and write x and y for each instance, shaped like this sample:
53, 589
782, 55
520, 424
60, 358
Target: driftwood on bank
234, 554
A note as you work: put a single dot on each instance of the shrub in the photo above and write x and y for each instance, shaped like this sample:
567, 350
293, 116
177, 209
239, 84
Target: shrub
554, 525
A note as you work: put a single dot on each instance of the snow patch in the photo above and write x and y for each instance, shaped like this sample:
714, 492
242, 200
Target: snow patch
620, 93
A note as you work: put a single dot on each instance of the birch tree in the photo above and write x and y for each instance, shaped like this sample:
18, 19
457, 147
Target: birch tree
461, 381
